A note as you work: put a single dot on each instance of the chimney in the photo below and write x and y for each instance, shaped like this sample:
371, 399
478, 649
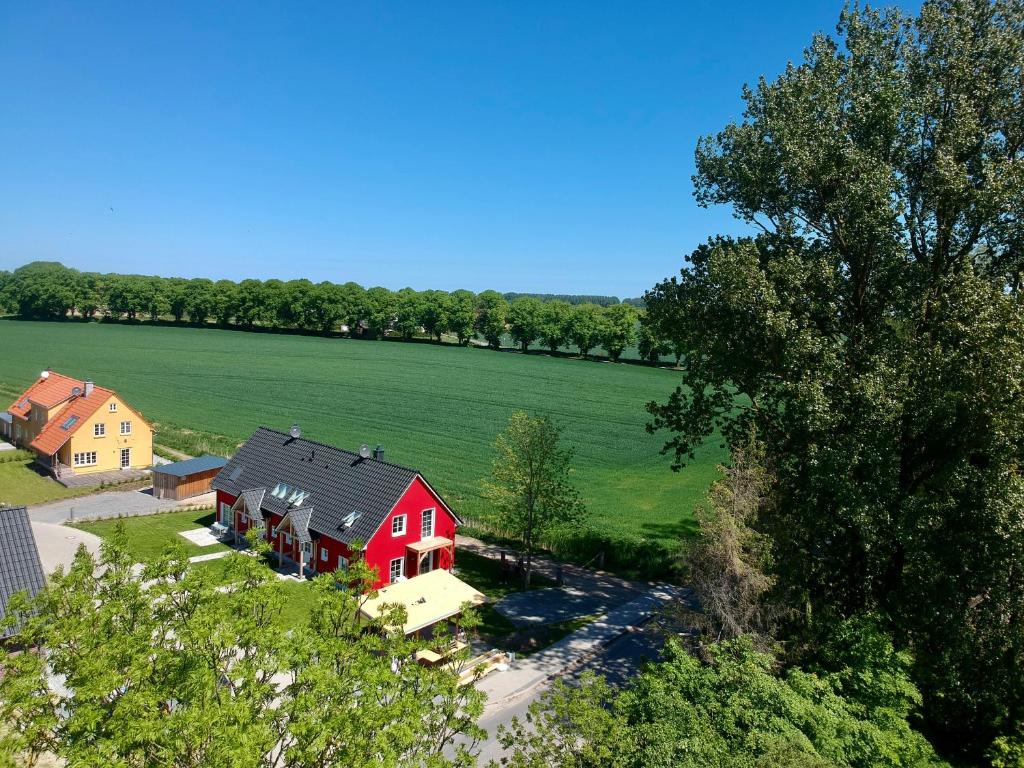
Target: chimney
88, 387
378, 453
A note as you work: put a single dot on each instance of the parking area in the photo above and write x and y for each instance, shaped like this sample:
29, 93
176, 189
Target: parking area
100, 506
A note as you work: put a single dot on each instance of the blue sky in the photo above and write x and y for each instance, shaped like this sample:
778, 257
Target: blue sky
522, 146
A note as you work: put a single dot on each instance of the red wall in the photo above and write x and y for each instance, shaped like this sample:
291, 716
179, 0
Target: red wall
383, 547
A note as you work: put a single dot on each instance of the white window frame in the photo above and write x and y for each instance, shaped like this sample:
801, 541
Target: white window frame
225, 514
324, 554
433, 522
399, 522
126, 427
99, 429
288, 539
392, 577
84, 459
113, 408
342, 563
307, 548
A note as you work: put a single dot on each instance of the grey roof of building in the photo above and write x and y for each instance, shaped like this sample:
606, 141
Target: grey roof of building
6, 416
350, 496
20, 568
300, 519
191, 466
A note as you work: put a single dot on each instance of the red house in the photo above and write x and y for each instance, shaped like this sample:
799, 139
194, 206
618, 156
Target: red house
314, 503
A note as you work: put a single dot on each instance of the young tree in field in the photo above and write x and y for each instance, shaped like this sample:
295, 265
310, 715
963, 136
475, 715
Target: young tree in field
525, 319
618, 329
586, 327
167, 669
530, 484
460, 315
491, 317
555, 318
875, 336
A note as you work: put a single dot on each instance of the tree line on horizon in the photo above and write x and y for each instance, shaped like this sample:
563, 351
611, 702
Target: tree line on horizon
52, 291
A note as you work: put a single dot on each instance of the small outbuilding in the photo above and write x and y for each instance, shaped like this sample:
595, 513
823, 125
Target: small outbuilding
185, 479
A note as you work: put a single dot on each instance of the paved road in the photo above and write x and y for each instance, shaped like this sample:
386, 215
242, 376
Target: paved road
618, 661
111, 504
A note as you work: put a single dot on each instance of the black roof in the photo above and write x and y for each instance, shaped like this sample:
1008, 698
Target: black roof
348, 496
20, 568
191, 466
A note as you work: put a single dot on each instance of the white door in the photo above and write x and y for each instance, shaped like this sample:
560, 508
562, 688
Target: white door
126, 458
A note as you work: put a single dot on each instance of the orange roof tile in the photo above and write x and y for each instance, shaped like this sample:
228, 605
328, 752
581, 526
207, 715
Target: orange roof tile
62, 426
48, 392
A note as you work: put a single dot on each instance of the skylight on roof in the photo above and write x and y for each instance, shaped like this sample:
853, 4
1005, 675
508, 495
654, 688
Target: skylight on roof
350, 518
235, 473
69, 422
297, 496
281, 491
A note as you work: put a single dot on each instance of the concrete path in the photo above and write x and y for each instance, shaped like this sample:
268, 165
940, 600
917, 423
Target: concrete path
6, 446
211, 556
58, 544
529, 672
112, 504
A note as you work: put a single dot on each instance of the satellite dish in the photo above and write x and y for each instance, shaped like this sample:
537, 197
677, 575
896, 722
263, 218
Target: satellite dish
364, 451
44, 375
295, 432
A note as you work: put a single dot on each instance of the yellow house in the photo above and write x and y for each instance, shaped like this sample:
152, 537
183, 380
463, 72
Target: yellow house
75, 427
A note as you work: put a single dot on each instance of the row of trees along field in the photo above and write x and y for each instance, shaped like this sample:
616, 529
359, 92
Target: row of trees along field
49, 290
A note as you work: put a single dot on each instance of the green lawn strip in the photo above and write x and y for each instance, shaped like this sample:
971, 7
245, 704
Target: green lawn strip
21, 484
149, 535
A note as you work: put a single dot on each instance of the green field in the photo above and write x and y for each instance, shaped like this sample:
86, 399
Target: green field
436, 408
21, 483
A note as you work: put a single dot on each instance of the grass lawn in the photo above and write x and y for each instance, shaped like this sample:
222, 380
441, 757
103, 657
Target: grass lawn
148, 535
436, 408
21, 484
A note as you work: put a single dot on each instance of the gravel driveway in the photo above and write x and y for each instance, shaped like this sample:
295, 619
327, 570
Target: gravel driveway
112, 504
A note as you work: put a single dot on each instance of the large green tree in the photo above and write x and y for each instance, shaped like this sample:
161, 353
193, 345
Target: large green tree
491, 317
618, 329
731, 709
873, 337
525, 317
165, 668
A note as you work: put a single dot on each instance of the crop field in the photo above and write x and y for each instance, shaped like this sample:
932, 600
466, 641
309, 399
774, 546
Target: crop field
435, 408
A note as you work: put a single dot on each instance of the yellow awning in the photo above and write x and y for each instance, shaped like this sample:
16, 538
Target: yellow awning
427, 599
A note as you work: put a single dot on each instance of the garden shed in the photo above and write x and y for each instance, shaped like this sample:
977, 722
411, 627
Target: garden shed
185, 479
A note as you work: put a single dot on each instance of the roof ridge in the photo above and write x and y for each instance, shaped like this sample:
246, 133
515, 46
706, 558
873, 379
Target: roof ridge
342, 450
